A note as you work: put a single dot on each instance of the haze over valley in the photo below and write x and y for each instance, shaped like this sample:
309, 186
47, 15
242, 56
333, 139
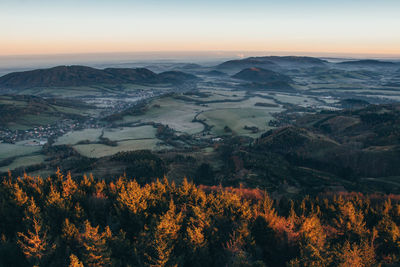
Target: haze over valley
199, 133
59, 116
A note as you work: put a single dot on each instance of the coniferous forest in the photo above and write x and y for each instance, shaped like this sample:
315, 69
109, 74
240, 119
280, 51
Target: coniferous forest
65, 222
199, 133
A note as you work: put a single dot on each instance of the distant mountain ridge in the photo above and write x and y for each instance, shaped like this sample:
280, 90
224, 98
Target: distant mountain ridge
272, 62
63, 76
262, 79
367, 62
293, 60
246, 63
261, 75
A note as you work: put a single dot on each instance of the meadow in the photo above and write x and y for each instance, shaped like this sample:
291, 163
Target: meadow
19, 155
177, 114
214, 109
88, 142
236, 119
100, 150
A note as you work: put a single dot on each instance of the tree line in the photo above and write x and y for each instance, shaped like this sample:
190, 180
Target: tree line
61, 221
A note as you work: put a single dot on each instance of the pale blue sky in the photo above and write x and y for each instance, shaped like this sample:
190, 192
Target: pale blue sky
70, 26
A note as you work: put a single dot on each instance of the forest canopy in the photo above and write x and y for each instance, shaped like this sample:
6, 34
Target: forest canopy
64, 222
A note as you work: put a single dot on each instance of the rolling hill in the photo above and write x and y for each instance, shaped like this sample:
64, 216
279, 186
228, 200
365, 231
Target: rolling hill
25, 112
362, 142
368, 63
262, 79
347, 150
246, 63
287, 61
260, 75
64, 76
273, 62
174, 77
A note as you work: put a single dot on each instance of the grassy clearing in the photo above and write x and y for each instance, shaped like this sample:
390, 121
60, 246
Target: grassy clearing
76, 111
23, 162
249, 103
126, 133
37, 120
297, 100
179, 114
9, 101
236, 119
219, 95
74, 137
175, 113
128, 138
15, 150
99, 150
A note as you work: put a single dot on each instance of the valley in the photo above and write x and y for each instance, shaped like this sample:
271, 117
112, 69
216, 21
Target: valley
196, 116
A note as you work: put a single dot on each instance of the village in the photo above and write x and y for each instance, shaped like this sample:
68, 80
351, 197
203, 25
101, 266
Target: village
41, 135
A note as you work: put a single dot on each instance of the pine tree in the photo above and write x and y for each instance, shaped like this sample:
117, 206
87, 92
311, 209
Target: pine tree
54, 198
70, 233
96, 251
313, 243
20, 196
165, 236
351, 222
267, 208
388, 237
350, 256
68, 186
34, 243
133, 197
74, 261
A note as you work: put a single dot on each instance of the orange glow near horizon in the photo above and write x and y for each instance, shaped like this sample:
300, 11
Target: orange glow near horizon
62, 47
100, 26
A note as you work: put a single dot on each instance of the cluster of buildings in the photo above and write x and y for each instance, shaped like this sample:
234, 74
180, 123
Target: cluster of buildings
42, 134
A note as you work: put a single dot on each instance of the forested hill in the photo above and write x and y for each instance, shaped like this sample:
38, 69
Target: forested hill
272, 62
63, 222
81, 76
368, 62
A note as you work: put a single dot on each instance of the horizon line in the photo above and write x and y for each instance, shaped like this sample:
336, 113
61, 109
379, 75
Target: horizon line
217, 52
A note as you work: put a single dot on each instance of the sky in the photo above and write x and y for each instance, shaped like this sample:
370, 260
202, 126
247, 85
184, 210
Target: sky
96, 26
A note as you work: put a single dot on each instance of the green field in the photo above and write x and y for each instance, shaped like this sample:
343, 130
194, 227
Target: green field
74, 137
236, 119
21, 153
15, 150
99, 150
23, 161
6, 100
297, 100
177, 114
114, 134
248, 103
218, 95
127, 138
130, 133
